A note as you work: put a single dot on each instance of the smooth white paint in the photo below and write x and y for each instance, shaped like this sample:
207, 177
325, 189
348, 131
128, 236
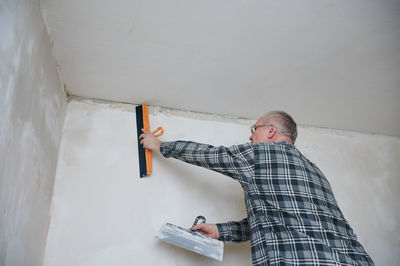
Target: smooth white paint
334, 64
32, 109
104, 214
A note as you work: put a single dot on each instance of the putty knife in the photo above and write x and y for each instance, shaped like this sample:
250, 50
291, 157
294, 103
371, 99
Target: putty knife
192, 240
142, 121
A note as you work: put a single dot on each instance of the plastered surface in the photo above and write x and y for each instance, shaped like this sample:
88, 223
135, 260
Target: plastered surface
104, 214
32, 108
332, 63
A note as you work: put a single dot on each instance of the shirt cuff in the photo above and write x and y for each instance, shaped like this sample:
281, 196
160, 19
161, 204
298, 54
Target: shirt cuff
166, 148
223, 232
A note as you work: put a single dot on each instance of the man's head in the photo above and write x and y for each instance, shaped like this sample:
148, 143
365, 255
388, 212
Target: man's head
274, 126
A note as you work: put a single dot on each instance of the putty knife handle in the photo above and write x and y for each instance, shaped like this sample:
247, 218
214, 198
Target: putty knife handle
200, 217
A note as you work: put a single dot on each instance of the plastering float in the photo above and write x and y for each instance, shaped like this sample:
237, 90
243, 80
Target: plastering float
192, 240
142, 121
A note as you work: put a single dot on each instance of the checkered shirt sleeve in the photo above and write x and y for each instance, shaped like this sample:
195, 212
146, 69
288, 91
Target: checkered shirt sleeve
234, 231
235, 161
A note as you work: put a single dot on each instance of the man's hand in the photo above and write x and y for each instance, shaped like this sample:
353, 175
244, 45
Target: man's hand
210, 230
149, 142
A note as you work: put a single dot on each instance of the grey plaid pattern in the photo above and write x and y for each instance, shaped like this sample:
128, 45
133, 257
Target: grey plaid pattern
292, 215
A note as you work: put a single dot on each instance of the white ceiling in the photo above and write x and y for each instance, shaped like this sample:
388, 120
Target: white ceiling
332, 64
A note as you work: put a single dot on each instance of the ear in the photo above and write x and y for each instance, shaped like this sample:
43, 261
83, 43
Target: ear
271, 132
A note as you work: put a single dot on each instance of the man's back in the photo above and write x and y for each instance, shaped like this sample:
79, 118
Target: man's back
292, 212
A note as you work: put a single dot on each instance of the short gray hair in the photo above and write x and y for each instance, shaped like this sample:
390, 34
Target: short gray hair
283, 122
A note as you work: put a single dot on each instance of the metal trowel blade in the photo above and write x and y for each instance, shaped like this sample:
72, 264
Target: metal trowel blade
191, 240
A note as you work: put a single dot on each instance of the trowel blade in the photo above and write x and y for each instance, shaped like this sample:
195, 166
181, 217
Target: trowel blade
191, 240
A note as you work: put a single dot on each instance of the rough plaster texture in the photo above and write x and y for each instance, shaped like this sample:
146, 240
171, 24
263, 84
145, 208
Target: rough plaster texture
32, 108
104, 214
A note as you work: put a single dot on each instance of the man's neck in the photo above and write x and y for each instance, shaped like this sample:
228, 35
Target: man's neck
281, 138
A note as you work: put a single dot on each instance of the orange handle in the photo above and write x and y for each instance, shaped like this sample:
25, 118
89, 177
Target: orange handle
158, 132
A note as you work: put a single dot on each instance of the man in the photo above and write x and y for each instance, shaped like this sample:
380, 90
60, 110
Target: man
292, 215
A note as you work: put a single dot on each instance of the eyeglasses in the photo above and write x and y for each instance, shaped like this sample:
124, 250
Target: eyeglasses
254, 127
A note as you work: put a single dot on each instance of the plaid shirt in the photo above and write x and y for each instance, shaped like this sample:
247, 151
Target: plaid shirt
292, 215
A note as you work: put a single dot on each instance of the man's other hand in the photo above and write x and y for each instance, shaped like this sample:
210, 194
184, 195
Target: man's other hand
149, 141
210, 230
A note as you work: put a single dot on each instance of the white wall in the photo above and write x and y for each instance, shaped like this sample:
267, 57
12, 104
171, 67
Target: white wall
104, 214
32, 109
